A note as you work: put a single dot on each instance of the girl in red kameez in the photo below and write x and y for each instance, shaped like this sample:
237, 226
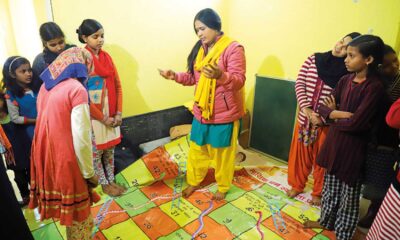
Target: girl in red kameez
61, 163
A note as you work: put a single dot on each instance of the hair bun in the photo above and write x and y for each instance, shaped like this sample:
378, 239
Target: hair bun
77, 31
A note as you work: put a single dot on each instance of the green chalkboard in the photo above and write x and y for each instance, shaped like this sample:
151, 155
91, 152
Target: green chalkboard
273, 116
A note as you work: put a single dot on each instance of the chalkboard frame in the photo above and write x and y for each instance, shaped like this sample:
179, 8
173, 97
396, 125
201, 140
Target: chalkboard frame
273, 118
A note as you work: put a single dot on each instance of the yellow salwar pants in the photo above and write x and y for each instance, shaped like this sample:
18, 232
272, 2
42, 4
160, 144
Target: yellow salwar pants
221, 159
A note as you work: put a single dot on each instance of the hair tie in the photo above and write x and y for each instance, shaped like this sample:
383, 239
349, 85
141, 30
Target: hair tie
11, 63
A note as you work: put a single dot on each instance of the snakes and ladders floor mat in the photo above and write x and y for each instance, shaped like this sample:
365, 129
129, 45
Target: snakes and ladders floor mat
255, 207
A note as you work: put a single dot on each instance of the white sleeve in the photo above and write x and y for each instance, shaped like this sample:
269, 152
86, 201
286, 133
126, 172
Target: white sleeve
81, 136
14, 113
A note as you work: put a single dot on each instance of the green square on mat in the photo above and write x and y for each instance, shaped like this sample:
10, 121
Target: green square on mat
62, 229
132, 200
179, 234
272, 195
320, 237
272, 191
119, 179
233, 218
49, 231
234, 193
32, 217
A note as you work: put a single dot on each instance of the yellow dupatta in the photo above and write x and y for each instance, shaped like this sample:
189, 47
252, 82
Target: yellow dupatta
205, 91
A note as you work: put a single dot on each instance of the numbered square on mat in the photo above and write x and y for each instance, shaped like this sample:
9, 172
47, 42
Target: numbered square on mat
155, 223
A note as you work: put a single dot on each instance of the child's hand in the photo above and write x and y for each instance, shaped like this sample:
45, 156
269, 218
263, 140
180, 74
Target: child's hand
109, 122
335, 114
212, 71
330, 102
346, 115
315, 119
93, 181
307, 111
167, 74
117, 120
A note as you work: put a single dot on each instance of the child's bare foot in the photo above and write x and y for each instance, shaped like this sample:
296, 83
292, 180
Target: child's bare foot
119, 185
110, 190
120, 188
312, 224
292, 193
189, 190
218, 196
315, 200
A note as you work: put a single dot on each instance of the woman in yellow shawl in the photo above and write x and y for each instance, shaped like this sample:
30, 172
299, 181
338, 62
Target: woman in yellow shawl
217, 67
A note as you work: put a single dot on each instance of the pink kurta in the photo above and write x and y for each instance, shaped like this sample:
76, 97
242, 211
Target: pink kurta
58, 187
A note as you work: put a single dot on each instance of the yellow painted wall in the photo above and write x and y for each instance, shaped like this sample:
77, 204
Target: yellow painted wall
42, 10
143, 35
279, 35
7, 46
25, 28
19, 34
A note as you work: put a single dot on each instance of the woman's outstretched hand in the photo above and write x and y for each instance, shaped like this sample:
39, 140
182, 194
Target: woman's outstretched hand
167, 74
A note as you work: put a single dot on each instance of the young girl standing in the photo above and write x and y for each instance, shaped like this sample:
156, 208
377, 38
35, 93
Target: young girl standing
21, 95
21, 92
53, 41
217, 67
105, 94
317, 77
343, 153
